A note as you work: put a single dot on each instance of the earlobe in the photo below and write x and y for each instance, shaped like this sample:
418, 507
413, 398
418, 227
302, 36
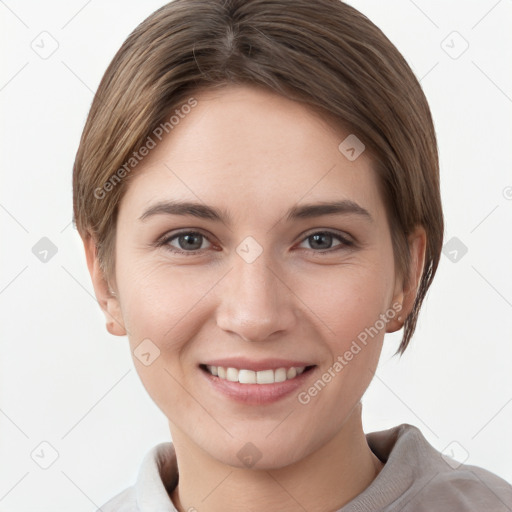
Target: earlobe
406, 293
108, 301
398, 315
113, 314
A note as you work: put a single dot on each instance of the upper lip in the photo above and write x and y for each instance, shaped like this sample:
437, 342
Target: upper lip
256, 366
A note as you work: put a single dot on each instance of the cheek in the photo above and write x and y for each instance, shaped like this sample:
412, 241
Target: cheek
349, 306
348, 299
164, 306
159, 301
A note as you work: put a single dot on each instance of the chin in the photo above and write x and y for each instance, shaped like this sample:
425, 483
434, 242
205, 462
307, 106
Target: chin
257, 452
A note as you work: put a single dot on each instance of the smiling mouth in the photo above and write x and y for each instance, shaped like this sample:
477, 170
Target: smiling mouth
243, 376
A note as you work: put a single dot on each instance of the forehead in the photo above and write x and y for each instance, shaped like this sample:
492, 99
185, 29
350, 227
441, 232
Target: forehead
252, 149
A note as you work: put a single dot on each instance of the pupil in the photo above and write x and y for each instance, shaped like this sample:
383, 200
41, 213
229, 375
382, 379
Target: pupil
316, 241
318, 237
189, 238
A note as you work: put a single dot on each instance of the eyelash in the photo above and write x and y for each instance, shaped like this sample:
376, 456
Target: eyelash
165, 241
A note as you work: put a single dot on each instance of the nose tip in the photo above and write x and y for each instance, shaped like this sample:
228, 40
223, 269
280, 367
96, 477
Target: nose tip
254, 303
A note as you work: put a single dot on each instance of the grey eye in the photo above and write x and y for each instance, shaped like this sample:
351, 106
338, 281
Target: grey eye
187, 241
323, 240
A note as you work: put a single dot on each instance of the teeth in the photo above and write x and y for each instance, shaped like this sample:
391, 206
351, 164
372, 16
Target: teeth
280, 375
232, 374
292, 372
246, 377
251, 377
265, 377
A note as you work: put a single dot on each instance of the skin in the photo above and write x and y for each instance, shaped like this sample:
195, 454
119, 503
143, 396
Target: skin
257, 154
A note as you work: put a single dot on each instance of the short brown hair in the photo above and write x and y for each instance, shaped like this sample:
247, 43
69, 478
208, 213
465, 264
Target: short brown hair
325, 54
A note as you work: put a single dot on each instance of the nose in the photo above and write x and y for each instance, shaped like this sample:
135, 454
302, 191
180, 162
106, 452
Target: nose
255, 302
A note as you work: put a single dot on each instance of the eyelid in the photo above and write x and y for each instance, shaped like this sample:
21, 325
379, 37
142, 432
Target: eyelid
346, 240
345, 237
167, 237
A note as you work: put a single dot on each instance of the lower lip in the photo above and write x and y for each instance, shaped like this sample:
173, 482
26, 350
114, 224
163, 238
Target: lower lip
257, 394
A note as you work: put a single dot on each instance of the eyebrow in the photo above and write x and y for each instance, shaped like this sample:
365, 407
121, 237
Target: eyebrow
307, 211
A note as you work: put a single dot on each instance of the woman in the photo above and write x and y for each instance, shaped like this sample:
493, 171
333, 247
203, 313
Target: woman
257, 189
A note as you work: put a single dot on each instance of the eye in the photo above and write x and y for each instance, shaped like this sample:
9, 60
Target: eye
323, 240
189, 242
192, 242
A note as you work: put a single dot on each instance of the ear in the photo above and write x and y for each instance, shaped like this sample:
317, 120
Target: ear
405, 292
108, 302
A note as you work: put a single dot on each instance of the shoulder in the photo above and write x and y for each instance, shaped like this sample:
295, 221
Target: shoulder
125, 501
157, 476
419, 478
467, 489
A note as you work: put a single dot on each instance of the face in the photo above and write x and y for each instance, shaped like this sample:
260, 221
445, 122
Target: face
255, 278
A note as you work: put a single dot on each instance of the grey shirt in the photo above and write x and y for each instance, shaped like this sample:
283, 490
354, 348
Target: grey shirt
415, 478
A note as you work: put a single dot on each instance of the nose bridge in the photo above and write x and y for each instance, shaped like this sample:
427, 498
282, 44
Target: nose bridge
254, 302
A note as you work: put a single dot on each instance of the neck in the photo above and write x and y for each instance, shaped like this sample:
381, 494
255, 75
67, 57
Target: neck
327, 479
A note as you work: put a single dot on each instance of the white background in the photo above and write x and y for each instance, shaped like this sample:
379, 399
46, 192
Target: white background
66, 381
